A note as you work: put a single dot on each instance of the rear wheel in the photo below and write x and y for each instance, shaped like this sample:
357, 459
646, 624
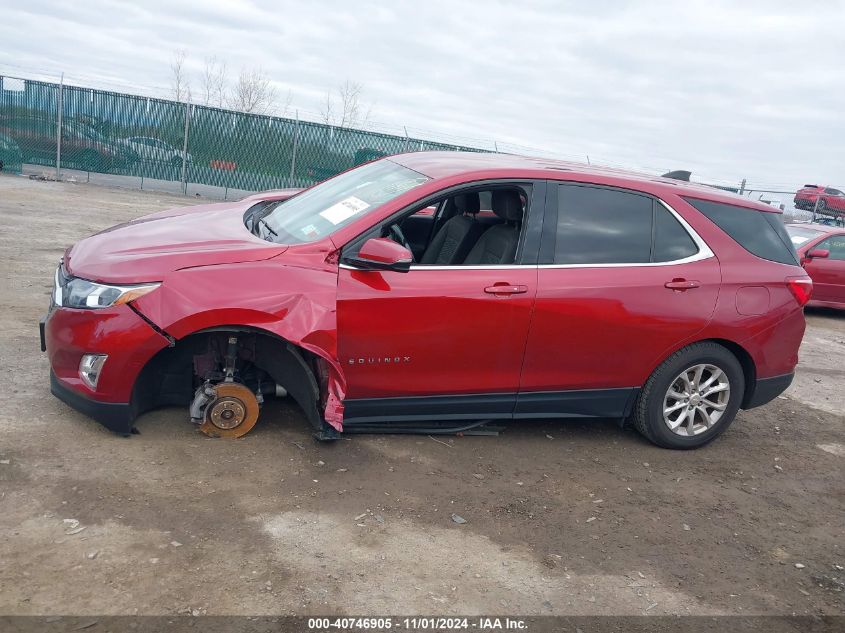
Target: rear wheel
691, 398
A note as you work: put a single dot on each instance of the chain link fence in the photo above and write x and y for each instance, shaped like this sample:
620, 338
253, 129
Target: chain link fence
103, 132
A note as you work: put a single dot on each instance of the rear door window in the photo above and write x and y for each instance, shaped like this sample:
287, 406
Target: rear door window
602, 226
760, 233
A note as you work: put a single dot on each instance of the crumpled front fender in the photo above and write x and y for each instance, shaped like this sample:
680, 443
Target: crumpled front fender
295, 303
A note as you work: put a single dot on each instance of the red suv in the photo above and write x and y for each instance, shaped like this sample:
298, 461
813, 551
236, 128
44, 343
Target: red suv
821, 199
535, 289
821, 250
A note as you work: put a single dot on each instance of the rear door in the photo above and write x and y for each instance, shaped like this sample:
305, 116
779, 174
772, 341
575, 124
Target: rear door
622, 281
828, 273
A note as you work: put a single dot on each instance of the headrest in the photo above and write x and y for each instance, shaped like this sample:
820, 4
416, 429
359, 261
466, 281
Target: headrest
507, 205
467, 203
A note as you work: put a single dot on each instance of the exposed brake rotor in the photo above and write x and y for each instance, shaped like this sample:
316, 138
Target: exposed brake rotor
232, 413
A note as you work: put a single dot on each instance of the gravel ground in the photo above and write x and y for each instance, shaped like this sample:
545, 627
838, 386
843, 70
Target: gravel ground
561, 517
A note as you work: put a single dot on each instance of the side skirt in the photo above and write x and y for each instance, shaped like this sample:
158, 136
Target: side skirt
586, 403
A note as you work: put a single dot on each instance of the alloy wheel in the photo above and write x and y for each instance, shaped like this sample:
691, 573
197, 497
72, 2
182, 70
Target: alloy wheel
696, 400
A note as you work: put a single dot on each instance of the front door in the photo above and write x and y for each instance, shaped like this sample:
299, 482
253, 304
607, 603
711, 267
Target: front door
436, 342
621, 281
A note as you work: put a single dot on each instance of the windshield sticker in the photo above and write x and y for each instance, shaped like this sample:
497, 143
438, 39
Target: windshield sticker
310, 231
344, 210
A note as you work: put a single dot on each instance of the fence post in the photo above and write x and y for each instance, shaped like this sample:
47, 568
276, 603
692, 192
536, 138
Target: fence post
295, 143
407, 139
59, 112
184, 177
742, 187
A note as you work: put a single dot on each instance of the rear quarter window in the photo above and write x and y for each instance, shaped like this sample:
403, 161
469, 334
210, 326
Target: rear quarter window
671, 240
760, 233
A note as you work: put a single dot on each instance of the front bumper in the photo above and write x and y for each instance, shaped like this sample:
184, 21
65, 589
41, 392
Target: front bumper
121, 334
115, 416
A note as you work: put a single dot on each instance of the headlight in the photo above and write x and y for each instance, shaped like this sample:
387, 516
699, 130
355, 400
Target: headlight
81, 293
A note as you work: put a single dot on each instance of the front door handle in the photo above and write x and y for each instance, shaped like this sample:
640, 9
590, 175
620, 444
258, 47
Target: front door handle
504, 289
682, 284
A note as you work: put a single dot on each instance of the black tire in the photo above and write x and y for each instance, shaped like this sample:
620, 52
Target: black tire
648, 410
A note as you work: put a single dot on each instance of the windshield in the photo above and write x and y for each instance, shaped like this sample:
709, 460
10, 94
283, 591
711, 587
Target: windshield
325, 208
800, 235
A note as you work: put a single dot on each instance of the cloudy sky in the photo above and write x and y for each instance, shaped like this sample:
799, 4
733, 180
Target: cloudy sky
730, 90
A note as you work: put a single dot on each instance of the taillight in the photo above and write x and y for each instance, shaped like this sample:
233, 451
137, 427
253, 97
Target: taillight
801, 288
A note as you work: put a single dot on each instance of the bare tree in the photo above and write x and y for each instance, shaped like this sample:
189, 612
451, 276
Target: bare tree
347, 110
180, 85
253, 92
284, 110
214, 82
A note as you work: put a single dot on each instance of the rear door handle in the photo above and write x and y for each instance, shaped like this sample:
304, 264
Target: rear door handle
682, 284
505, 289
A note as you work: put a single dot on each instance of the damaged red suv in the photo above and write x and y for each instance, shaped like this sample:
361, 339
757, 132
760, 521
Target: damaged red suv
433, 292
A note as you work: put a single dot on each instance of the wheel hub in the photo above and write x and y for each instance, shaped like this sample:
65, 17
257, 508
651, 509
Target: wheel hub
232, 413
227, 413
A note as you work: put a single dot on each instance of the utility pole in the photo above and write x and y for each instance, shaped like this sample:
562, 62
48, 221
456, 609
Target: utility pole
59, 108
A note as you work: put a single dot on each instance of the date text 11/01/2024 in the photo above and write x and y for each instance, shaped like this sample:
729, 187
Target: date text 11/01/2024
417, 623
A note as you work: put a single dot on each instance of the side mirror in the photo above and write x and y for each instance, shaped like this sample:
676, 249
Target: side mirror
381, 253
818, 252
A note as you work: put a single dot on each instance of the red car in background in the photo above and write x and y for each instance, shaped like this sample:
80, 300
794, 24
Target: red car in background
434, 291
820, 198
822, 253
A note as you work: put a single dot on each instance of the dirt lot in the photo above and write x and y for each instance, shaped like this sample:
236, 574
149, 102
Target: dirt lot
561, 518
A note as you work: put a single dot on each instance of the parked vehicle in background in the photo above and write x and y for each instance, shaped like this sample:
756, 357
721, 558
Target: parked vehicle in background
10, 154
822, 254
838, 221
821, 199
156, 150
579, 292
82, 146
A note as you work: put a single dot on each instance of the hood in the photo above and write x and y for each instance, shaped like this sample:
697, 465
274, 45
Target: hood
148, 248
